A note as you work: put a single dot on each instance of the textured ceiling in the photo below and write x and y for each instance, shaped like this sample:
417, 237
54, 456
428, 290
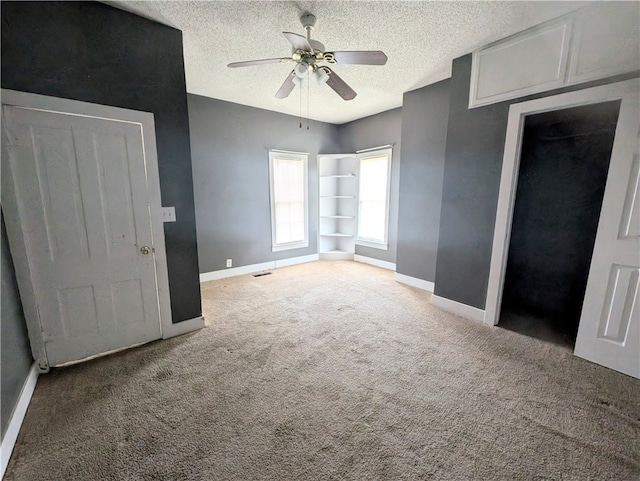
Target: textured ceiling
421, 38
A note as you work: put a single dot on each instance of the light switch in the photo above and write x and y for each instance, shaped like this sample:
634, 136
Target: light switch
168, 214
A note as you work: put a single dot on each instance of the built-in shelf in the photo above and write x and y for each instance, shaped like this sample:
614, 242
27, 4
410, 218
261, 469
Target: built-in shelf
338, 206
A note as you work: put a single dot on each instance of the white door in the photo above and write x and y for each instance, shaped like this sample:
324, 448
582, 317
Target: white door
79, 185
609, 332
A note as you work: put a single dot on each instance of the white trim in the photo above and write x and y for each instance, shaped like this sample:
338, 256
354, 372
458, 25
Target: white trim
290, 246
17, 416
146, 122
566, 23
292, 261
252, 268
388, 146
371, 244
288, 152
337, 256
301, 157
458, 308
183, 327
509, 176
236, 271
364, 155
415, 282
374, 262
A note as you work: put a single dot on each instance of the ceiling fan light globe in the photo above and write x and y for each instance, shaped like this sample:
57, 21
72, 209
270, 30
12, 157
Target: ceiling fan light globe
321, 76
301, 70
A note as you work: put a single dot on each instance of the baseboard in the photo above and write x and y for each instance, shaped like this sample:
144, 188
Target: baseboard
456, 307
19, 411
336, 256
236, 271
183, 327
375, 262
252, 268
296, 260
415, 282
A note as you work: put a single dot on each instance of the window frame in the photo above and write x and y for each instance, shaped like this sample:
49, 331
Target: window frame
364, 241
284, 155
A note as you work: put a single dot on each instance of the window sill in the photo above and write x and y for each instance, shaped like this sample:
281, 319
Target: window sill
375, 245
286, 247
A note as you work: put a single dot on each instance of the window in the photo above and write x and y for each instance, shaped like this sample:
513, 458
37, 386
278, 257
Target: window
289, 212
373, 198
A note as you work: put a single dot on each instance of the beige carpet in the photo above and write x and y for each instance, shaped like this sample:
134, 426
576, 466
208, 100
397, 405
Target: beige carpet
332, 371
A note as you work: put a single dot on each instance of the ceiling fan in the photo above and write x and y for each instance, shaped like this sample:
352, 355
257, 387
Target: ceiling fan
310, 58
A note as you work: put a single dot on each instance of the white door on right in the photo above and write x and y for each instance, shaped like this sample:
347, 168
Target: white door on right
609, 332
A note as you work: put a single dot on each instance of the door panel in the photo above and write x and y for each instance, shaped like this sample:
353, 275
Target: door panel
630, 225
81, 193
609, 332
620, 304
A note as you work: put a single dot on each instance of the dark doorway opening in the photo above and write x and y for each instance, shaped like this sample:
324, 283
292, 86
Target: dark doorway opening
563, 171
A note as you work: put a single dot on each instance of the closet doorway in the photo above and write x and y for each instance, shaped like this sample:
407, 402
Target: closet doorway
563, 170
608, 331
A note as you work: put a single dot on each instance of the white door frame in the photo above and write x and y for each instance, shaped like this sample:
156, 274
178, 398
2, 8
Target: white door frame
15, 234
509, 176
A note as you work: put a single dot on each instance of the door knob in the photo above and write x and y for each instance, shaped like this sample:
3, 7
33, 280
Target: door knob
145, 250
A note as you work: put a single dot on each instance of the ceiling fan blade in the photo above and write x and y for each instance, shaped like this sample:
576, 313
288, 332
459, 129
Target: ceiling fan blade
298, 41
361, 57
339, 85
258, 62
286, 87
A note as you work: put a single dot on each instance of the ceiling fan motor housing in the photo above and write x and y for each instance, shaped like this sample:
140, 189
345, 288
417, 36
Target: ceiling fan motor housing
308, 20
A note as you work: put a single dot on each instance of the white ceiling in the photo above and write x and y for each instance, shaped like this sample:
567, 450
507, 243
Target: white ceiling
421, 38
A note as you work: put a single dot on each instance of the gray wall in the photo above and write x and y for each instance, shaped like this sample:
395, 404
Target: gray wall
380, 129
425, 114
229, 145
15, 352
473, 163
96, 53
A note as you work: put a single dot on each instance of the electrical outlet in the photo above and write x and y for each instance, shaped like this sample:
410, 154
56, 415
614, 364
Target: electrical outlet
229, 263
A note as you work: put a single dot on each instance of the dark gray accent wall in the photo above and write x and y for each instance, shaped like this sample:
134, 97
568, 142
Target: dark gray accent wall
380, 129
230, 145
473, 164
92, 52
15, 351
425, 115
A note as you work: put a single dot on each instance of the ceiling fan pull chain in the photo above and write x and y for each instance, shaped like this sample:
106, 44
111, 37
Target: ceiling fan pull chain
308, 95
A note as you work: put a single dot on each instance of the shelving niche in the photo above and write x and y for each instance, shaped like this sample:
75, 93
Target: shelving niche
338, 206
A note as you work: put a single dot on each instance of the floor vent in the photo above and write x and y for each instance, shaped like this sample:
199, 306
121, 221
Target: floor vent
262, 274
